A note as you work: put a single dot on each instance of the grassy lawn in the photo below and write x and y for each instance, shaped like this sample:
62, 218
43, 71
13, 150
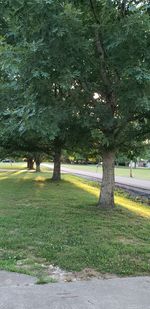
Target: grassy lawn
139, 173
44, 223
15, 165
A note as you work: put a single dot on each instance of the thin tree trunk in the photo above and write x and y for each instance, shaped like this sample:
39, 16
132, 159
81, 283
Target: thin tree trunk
30, 163
131, 173
106, 200
27, 163
57, 163
37, 164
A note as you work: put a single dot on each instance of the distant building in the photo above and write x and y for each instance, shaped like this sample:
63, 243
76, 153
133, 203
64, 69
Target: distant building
143, 163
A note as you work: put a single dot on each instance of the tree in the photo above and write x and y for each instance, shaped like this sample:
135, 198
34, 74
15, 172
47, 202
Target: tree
48, 45
84, 60
119, 32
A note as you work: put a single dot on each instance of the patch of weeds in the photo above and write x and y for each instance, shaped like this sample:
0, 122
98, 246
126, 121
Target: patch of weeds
45, 280
132, 196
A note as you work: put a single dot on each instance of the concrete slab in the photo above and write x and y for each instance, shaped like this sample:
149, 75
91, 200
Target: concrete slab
118, 293
15, 279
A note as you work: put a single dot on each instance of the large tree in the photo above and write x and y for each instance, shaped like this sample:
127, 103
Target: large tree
44, 64
119, 78
90, 58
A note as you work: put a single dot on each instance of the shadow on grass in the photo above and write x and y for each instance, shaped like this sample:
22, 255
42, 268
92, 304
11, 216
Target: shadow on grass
77, 187
8, 174
58, 222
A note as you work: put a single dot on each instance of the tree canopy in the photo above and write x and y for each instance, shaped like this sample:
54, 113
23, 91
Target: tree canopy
76, 68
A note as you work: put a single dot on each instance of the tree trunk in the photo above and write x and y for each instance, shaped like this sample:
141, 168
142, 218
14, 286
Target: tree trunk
131, 173
30, 163
37, 163
57, 163
106, 200
37, 159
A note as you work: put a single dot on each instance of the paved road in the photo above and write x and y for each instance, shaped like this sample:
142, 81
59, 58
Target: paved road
143, 185
20, 292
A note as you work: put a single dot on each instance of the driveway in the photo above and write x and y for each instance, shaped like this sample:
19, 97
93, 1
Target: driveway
20, 292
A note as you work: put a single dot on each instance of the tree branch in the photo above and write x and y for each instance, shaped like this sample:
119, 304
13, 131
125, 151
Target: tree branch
93, 7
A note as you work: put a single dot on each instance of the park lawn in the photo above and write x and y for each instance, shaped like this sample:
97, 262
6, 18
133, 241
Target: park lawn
138, 173
14, 165
44, 223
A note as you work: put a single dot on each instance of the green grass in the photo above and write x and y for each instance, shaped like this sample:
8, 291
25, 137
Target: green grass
44, 223
45, 280
139, 173
14, 165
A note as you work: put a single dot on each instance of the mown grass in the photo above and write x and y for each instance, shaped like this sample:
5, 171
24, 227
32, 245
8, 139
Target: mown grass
44, 223
13, 165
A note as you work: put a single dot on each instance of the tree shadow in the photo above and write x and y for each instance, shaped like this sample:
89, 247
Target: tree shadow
75, 187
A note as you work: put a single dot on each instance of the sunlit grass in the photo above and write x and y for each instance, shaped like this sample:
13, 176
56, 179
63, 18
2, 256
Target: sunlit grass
14, 165
19, 172
42, 223
3, 177
84, 186
136, 207
127, 203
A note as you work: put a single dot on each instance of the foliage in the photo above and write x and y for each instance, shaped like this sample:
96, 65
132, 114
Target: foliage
60, 61
76, 72
45, 73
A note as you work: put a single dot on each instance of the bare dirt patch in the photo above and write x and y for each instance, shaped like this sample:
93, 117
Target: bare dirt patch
59, 275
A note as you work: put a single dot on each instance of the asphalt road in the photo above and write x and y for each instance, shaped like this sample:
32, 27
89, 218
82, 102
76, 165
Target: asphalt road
137, 185
20, 292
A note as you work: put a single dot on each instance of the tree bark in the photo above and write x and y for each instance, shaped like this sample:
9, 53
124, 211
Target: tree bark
37, 164
131, 174
57, 162
37, 159
30, 163
106, 200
